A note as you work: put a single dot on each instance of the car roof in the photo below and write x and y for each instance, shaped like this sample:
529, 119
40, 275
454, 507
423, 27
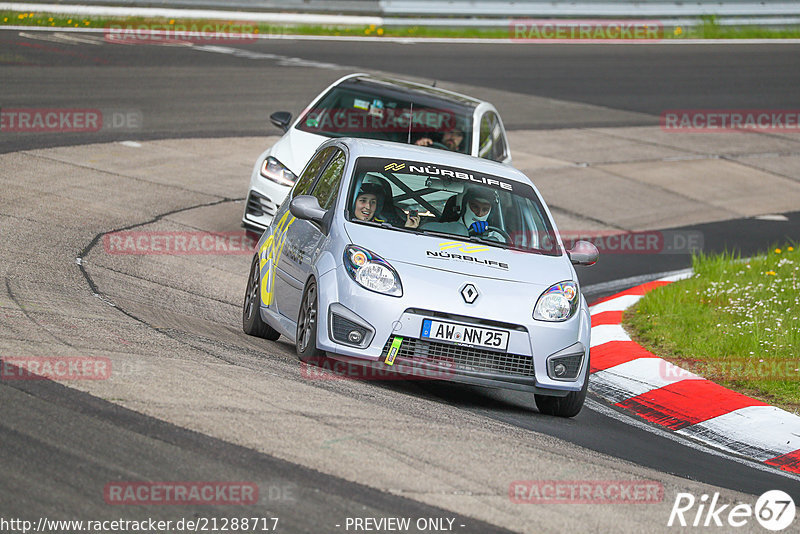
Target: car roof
392, 87
359, 147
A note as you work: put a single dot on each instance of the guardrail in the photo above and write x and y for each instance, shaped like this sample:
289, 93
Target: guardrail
477, 12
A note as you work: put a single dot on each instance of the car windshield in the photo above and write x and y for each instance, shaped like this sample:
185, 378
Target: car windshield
349, 112
449, 201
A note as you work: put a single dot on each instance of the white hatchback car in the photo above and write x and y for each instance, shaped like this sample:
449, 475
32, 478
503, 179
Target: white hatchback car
360, 105
429, 263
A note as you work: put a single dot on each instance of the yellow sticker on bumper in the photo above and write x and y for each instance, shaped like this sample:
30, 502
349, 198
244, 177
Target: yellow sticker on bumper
393, 350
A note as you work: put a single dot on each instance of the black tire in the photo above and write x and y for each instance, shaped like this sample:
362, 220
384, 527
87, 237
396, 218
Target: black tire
306, 336
252, 324
568, 406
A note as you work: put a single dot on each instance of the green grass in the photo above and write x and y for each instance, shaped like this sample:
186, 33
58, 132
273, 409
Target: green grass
708, 29
735, 322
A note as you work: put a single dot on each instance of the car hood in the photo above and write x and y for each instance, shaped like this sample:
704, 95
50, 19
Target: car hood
295, 148
462, 257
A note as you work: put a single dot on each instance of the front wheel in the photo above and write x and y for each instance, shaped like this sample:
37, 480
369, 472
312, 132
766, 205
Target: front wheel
252, 324
568, 406
306, 338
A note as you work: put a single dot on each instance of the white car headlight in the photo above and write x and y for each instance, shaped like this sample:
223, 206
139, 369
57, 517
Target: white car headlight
274, 170
558, 303
371, 271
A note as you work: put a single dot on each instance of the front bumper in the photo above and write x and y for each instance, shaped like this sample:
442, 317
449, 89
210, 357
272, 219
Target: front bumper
527, 365
263, 200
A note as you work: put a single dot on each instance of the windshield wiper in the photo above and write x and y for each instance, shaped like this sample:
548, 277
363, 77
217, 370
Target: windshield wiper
387, 225
440, 234
480, 239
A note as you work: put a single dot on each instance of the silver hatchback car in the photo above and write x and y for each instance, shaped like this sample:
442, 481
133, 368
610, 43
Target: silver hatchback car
428, 263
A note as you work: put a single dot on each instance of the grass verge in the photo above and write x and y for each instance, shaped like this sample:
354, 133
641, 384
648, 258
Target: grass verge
735, 322
707, 27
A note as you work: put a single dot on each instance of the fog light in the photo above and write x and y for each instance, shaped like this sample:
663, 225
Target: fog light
355, 336
560, 369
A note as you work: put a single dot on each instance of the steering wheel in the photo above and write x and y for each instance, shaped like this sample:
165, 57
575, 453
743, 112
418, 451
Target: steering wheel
437, 144
494, 229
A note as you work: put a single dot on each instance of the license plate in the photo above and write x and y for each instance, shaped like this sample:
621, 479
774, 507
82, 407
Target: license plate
462, 334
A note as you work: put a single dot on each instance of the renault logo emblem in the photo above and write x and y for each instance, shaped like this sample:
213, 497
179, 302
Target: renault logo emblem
469, 293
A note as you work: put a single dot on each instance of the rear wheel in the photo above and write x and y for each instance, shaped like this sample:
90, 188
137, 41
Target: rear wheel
568, 406
252, 324
306, 338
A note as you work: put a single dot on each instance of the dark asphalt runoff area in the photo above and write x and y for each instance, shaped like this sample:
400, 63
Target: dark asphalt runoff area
182, 92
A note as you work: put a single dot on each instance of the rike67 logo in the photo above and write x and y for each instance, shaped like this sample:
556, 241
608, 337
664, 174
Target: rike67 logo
774, 510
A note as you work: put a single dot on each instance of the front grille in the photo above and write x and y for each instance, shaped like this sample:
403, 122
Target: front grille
342, 327
464, 358
259, 205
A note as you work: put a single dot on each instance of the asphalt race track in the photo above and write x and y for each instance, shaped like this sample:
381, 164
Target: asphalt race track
196, 399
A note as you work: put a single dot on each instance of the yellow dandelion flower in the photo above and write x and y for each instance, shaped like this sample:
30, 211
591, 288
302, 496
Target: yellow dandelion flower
777, 251
790, 249
69, 21
22, 16
380, 31
50, 19
770, 273
172, 21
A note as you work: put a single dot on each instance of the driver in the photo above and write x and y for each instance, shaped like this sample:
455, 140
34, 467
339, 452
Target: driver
452, 139
475, 211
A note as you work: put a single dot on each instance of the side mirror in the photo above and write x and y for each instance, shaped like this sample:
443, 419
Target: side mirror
583, 253
281, 119
307, 208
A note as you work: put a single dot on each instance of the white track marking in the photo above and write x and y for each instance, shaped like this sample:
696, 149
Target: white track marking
672, 436
616, 304
761, 432
605, 333
85, 39
44, 37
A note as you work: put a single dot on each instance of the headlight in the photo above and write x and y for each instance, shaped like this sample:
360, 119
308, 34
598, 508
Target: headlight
371, 271
274, 170
558, 303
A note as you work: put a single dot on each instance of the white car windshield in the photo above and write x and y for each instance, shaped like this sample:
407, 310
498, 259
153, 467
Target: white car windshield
448, 201
346, 112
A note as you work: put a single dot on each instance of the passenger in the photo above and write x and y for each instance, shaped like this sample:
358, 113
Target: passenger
370, 201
